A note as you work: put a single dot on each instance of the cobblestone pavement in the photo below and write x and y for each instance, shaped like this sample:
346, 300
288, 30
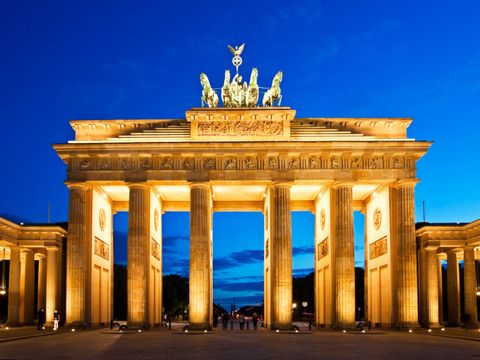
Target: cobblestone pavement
232, 345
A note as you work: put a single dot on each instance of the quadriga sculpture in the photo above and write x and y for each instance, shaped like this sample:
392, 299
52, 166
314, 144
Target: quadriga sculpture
209, 96
274, 93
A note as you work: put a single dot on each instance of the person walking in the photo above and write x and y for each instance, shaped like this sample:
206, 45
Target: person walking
41, 319
242, 322
56, 320
225, 321
255, 321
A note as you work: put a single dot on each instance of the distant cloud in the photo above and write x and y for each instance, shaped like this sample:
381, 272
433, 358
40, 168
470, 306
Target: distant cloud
238, 258
359, 247
227, 285
301, 250
302, 271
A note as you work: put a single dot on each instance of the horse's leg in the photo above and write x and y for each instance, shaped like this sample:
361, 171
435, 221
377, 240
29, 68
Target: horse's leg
279, 100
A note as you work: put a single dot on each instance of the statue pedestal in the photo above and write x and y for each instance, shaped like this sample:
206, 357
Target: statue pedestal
240, 124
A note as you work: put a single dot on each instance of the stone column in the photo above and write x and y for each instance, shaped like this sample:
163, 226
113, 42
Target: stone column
42, 283
138, 254
453, 289
440, 289
200, 282
28, 288
53, 282
403, 226
14, 287
470, 285
422, 285
431, 267
343, 255
281, 257
78, 255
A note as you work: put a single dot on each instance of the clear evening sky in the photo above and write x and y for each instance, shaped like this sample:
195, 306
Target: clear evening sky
142, 59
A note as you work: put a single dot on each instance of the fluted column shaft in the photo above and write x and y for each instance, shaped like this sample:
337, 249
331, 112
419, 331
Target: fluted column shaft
200, 282
28, 288
453, 289
14, 287
343, 255
42, 283
138, 254
470, 282
431, 267
422, 285
440, 289
281, 257
52, 284
79, 228
406, 259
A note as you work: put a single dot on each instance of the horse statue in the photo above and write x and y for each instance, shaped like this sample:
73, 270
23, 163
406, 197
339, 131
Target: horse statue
209, 96
253, 90
274, 93
227, 91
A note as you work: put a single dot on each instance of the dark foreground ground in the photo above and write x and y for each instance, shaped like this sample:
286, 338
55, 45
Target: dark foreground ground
231, 345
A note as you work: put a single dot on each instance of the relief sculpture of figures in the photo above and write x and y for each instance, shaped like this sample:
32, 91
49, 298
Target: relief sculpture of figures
274, 93
209, 96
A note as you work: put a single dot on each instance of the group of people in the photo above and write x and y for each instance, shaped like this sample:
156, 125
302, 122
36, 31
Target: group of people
42, 318
241, 320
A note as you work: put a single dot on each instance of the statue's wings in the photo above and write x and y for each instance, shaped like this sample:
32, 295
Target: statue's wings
240, 48
232, 50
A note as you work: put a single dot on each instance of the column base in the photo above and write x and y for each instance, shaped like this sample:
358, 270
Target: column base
407, 325
199, 327
13, 324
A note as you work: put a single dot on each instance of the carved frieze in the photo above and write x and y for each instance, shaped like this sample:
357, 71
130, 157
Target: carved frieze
249, 162
236, 128
378, 248
377, 218
322, 248
102, 249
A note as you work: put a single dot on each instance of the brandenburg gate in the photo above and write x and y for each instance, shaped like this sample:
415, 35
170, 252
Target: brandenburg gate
242, 157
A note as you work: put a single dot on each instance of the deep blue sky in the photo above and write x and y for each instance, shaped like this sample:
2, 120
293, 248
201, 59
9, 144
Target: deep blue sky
140, 59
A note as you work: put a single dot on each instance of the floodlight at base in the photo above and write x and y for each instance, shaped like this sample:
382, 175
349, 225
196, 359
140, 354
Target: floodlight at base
73, 330
277, 330
344, 331
7, 328
139, 330
43, 327
363, 331
186, 330
429, 330
410, 330
205, 331
296, 331
442, 329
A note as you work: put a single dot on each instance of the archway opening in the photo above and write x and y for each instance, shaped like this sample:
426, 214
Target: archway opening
120, 245
238, 262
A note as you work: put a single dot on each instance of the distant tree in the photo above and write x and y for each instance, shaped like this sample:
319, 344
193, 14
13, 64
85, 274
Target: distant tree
175, 294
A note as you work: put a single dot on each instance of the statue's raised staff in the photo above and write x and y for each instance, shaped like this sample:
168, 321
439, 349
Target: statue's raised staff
209, 96
253, 90
274, 93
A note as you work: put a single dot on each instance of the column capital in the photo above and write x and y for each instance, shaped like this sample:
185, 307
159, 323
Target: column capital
281, 184
199, 184
342, 183
405, 183
78, 185
26, 250
141, 185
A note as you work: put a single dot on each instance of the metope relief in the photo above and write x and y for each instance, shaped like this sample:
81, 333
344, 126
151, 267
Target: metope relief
155, 249
378, 248
322, 249
102, 249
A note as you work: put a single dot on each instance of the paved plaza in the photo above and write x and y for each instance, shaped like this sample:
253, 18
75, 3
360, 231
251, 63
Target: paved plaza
231, 345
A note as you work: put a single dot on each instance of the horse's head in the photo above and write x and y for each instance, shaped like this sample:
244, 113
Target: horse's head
278, 77
227, 77
204, 80
254, 76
